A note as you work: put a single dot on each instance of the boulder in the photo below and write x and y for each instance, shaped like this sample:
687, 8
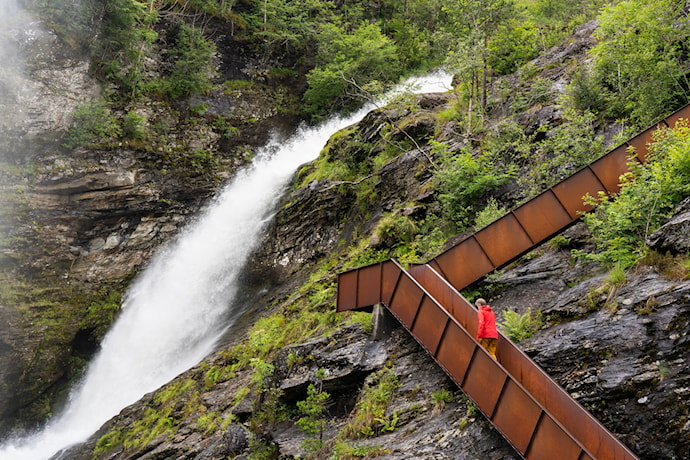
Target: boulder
674, 235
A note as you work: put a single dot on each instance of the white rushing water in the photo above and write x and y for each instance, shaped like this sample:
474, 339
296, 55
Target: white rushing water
179, 306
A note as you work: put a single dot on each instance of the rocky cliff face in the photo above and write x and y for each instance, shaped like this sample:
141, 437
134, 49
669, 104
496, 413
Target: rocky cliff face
78, 224
623, 355
89, 219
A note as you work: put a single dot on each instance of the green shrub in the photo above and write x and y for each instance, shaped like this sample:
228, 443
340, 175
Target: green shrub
640, 58
313, 420
192, 64
648, 196
518, 327
511, 46
93, 122
370, 412
395, 228
349, 65
463, 181
568, 148
489, 214
133, 126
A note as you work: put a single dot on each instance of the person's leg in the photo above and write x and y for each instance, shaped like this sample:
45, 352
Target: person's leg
490, 345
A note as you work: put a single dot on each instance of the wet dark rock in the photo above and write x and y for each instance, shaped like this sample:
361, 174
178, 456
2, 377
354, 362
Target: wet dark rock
674, 235
232, 443
626, 362
422, 431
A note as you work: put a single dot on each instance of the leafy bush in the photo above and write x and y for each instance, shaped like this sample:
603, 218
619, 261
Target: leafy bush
569, 147
395, 228
493, 211
93, 122
518, 327
512, 45
641, 58
463, 180
648, 196
192, 64
349, 63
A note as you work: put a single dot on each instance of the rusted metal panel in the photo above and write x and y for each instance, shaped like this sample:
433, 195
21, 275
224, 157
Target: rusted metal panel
543, 216
681, 113
571, 191
545, 393
517, 363
517, 415
639, 143
611, 166
455, 351
484, 380
537, 416
446, 295
406, 301
369, 286
391, 273
430, 323
503, 240
581, 424
347, 291
465, 263
499, 393
552, 442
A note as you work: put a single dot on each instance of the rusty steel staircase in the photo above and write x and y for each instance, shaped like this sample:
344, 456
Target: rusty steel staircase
535, 415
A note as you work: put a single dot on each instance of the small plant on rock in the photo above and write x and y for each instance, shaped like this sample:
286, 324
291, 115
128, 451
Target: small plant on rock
518, 327
313, 409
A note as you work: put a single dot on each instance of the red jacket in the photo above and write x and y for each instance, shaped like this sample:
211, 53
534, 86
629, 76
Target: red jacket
486, 323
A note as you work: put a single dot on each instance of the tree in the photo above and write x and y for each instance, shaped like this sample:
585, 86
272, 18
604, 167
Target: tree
192, 59
641, 58
348, 62
313, 410
472, 23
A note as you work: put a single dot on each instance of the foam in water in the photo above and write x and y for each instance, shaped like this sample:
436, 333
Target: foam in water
178, 308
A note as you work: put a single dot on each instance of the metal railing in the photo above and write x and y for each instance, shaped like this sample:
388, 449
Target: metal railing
532, 412
538, 418
544, 216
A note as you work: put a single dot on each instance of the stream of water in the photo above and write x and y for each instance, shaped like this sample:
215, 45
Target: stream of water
179, 307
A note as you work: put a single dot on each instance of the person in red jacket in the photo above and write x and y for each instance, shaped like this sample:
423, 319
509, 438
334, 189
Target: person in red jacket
487, 334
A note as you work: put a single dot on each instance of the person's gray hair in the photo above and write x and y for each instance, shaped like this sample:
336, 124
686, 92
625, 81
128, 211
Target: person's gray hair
480, 302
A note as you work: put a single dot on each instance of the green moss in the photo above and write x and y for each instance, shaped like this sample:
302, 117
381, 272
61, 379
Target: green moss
370, 417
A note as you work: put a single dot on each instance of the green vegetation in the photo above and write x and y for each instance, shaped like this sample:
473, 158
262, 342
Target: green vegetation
370, 417
93, 122
463, 181
440, 398
648, 196
313, 410
157, 420
191, 65
640, 62
518, 327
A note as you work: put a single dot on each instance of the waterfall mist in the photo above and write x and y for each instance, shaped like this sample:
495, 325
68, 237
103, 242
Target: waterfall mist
15, 25
179, 307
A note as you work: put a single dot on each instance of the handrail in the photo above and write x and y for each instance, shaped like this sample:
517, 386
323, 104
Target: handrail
545, 215
533, 413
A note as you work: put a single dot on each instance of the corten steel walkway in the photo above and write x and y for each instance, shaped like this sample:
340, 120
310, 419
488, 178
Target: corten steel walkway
532, 412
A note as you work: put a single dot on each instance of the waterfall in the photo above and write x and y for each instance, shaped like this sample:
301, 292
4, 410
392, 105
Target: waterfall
177, 309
